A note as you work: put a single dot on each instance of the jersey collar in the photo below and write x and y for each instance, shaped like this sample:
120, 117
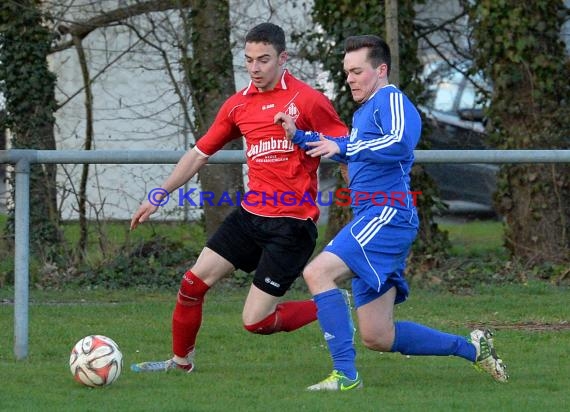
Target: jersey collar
282, 84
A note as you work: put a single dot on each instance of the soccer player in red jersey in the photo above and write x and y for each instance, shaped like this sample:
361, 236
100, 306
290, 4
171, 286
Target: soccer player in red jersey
267, 234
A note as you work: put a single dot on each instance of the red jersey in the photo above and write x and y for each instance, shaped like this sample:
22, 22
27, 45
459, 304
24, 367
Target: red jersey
282, 178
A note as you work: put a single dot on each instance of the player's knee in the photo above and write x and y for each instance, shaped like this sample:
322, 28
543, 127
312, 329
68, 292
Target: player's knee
311, 276
376, 344
381, 342
192, 290
317, 281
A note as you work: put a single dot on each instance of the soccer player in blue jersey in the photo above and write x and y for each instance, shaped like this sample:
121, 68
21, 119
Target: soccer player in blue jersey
373, 247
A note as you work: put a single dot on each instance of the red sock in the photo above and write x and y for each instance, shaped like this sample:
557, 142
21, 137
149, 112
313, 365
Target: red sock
187, 316
288, 316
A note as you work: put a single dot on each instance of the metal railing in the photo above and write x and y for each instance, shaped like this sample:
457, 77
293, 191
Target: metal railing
22, 159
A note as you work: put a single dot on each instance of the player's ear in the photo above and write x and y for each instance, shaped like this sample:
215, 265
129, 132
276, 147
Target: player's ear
283, 58
382, 70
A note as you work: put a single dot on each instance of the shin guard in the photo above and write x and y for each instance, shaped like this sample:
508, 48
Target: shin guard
187, 315
288, 316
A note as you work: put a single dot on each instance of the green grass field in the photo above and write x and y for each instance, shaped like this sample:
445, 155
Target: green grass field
475, 238
237, 371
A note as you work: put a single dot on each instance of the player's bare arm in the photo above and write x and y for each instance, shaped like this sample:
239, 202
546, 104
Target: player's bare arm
287, 123
185, 169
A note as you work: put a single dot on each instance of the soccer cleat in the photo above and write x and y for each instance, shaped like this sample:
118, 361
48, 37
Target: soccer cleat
487, 358
336, 381
161, 366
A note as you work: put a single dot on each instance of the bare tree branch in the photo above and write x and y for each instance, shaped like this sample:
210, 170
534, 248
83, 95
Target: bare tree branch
168, 67
111, 18
98, 74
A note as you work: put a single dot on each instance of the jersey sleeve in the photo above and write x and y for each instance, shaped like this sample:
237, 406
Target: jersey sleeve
222, 130
301, 139
395, 127
322, 117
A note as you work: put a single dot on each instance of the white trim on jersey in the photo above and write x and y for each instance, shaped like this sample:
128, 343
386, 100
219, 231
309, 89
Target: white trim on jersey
283, 83
396, 132
201, 153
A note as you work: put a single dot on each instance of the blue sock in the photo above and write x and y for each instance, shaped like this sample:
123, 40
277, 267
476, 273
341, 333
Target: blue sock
337, 329
415, 339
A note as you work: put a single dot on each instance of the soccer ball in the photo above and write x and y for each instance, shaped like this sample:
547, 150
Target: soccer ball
96, 361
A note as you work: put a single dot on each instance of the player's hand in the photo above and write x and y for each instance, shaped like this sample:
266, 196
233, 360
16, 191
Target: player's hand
324, 147
142, 214
288, 124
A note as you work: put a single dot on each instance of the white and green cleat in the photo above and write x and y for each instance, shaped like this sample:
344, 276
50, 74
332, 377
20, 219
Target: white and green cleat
161, 366
336, 381
487, 358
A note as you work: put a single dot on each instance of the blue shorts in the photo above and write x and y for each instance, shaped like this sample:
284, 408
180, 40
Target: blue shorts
375, 247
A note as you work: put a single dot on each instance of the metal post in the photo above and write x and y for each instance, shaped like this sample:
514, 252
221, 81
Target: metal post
21, 258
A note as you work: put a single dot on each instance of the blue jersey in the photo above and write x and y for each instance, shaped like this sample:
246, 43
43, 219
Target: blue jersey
380, 153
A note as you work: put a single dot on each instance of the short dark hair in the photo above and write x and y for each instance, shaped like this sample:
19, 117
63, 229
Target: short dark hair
378, 49
267, 33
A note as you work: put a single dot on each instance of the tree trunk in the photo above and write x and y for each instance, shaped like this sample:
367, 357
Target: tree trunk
82, 196
392, 39
529, 110
211, 78
537, 212
28, 87
534, 198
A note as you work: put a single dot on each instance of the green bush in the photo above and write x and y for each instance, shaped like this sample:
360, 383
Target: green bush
155, 263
